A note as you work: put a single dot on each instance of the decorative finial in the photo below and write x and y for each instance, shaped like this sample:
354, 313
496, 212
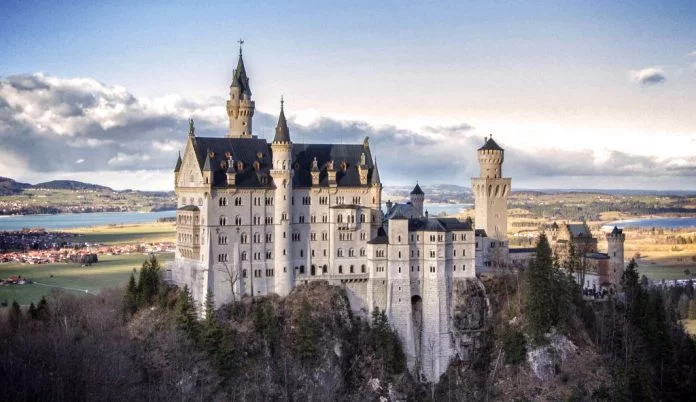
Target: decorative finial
241, 42
281, 102
192, 129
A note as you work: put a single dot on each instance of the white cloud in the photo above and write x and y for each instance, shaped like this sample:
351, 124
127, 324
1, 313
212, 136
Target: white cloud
167, 145
80, 161
691, 54
122, 159
648, 76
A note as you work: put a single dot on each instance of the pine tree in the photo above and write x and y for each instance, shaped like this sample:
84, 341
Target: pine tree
42, 311
32, 312
185, 311
15, 315
538, 309
130, 298
149, 281
306, 334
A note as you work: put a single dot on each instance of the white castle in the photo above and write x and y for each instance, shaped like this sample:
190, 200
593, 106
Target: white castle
256, 218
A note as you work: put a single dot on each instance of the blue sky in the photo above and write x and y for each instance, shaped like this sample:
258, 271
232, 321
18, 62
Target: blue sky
593, 79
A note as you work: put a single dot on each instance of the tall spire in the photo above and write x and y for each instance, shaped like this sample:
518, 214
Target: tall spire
375, 175
239, 78
282, 133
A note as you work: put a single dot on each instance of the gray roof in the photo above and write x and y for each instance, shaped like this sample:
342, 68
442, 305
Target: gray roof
417, 190
597, 256
189, 208
437, 225
375, 174
616, 231
399, 210
240, 79
578, 230
178, 164
250, 150
282, 133
490, 145
481, 233
381, 237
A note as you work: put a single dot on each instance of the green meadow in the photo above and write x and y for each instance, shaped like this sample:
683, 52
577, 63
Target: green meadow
110, 271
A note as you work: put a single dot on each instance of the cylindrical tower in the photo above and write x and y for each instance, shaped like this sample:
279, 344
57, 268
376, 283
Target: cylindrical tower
490, 192
615, 250
491, 162
240, 107
281, 147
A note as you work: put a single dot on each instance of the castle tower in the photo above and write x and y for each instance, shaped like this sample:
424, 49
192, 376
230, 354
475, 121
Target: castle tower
491, 191
240, 107
417, 199
281, 147
615, 250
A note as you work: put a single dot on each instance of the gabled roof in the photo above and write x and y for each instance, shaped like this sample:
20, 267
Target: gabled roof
578, 230
437, 225
417, 190
381, 237
212, 153
490, 145
481, 233
189, 208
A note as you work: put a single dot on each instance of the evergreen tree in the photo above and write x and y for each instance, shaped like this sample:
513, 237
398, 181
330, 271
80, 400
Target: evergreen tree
130, 298
15, 315
42, 311
149, 281
538, 309
185, 311
306, 334
32, 312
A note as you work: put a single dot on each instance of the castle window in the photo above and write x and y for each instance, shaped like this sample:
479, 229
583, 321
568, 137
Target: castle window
312, 252
302, 269
362, 268
324, 236
351, 253
351, 269
301, 218
340, 218
463, 252
399, 254
339, 252
244, 274
238, 220
340, 269
362, 218
223, 201
257, 238
324, 218
432, 254
295, 237
243, 238
363, 236
324, 269
313, 236
244, 256
257, 220
454, 268
362, 252
222, 239
238, 201
399, 272
313, 219
269, 220
324, 252
223, 221
312, 270
269, 238
301, 253
269, 255
454, 253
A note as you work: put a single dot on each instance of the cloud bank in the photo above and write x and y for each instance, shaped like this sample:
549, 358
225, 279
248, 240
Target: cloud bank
95, 132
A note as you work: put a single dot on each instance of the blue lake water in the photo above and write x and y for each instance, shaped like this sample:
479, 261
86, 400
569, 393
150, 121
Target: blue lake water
648, 223
64, 221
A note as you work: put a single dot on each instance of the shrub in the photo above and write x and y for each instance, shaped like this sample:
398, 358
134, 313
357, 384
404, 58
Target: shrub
514, 346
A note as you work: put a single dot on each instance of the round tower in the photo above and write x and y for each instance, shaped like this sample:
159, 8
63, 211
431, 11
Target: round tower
417, 199
240, 107
490, 192
615, 250
281, 171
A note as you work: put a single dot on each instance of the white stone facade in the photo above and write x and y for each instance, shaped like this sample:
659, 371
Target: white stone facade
257, 218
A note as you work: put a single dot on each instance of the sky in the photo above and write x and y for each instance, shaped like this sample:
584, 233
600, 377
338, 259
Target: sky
581, 94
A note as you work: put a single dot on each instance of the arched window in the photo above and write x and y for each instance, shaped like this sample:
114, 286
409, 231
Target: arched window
351, 269
362, 268
362, 218
351, 253
324, 269
223, 220
339, 252
243, 238
362, 252
244, 256
340, 218
312, 270
237, 220
340, 269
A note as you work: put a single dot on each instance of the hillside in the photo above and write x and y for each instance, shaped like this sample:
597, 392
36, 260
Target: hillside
9, 186
70, 185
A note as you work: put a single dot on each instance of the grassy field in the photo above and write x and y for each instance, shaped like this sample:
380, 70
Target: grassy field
110, 271
135, 233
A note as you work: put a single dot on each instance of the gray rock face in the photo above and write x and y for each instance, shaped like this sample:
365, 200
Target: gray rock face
468, 314
547, 360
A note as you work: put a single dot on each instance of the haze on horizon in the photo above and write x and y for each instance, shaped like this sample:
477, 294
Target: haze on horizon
583, 94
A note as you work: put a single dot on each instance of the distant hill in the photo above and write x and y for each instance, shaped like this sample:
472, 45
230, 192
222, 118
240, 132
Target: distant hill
9, 186
71, 185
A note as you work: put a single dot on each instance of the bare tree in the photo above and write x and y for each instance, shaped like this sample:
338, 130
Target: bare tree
231, 276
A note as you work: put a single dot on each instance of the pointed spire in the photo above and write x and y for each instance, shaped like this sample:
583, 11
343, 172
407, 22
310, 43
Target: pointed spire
282, 133
178, 163
207, 164
375, 174
417, 190
240, 79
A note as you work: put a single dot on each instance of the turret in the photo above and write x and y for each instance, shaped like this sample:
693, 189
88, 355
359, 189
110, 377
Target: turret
282, 173
417, 199
240, 107
491, 157
615, 250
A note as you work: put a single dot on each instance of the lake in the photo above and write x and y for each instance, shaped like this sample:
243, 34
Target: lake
665, 223
65, 221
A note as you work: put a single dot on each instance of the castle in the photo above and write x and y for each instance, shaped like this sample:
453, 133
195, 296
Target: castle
256, 218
